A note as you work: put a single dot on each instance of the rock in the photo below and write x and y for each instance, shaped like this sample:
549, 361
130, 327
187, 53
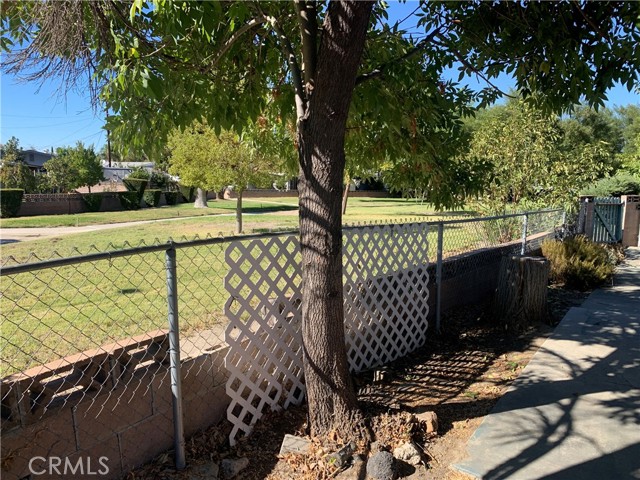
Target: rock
381, 466
293, 444
357, 470
233, 466
408, 453
430, 420
342, 456
207, 471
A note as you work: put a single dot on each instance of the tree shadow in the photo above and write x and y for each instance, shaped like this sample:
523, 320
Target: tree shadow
575, 411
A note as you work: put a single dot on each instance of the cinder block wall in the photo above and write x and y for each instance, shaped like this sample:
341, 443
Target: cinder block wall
128, 425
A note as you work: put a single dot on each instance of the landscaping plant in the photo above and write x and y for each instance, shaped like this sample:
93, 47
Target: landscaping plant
578, 262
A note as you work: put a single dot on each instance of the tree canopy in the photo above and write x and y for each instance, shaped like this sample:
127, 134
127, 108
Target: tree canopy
74, 167
531, 164
14, 173
208, 161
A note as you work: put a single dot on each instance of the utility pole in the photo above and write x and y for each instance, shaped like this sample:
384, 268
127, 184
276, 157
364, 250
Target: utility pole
106, 111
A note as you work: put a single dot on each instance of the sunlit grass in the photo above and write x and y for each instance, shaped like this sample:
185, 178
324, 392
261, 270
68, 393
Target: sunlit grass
57, 312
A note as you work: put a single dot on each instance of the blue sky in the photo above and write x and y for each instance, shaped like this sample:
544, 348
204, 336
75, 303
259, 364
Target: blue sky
40, 118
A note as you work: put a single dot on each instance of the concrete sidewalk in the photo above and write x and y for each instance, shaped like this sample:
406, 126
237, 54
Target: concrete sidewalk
574, 412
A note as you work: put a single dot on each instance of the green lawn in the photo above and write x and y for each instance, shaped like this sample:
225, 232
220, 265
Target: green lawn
57, 312
216, 207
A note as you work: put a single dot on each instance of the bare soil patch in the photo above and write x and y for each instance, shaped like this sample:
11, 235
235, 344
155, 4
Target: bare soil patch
459, 374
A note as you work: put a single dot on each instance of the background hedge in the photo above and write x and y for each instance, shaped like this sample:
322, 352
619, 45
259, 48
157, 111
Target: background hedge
10, 201
152, 197
171, 197
136, 185
93, 201
129, 200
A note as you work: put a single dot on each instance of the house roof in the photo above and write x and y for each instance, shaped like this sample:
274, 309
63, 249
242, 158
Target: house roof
35, 158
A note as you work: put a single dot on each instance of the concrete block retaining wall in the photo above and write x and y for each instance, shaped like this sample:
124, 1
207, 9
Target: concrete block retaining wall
113, 430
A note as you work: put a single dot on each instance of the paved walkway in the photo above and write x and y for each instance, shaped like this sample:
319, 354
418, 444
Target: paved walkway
23, 234
574, 412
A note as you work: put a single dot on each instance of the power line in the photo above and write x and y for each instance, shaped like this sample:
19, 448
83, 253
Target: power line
42, 116
16, 127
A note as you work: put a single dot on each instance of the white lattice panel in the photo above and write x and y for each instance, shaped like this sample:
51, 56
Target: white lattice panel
385, 281
385, 300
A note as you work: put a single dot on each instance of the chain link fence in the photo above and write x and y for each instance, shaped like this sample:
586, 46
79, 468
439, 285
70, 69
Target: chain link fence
89, 364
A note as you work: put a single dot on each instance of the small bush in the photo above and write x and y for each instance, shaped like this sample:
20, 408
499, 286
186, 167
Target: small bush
188, 193
129, 200
139, 173
135, 185
171, 197
578, 262
10, 201
93, 201
159, 180
152, 197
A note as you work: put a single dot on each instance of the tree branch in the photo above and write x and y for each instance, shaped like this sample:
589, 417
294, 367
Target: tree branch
287, 49
307, 20
596, 29
379, 71
234, 38
475, 70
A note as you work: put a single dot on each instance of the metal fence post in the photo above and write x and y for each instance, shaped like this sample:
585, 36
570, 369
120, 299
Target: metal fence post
439, 275
174, 357
525, 225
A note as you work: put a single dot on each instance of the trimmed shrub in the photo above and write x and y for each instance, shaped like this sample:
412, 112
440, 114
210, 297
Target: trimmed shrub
159, 180
578, 262
139, 173
135, 185
188, 193
93, 201
10, 201
152, 197
171, 197
129, 200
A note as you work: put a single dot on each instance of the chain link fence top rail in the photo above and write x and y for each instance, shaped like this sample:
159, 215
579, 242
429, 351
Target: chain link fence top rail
84, 339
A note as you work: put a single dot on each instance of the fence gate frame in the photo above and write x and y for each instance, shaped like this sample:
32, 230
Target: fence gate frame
607, 220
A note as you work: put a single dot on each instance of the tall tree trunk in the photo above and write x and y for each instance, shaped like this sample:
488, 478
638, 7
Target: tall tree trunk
321, 131
201, 199
239, 211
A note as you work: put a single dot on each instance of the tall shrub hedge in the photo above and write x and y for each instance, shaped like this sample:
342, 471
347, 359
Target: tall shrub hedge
171, 197
93, 201
152, 197
10, 201
129, 200
188, 193
137, 185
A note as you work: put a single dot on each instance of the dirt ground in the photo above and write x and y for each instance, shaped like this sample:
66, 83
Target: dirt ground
459, 374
